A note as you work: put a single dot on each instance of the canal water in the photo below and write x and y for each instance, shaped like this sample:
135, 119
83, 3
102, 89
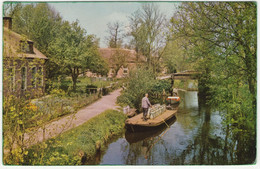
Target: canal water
196, 136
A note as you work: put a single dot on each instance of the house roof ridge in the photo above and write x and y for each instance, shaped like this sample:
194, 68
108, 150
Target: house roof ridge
14, 39
17, 34
116, 49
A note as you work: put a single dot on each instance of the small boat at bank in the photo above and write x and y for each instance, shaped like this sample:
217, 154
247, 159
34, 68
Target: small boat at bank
137, 123
173, 99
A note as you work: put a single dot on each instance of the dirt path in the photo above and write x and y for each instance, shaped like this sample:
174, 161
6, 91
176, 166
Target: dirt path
57, 127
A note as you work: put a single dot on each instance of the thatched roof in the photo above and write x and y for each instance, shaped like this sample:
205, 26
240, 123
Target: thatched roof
107, 53
12, 46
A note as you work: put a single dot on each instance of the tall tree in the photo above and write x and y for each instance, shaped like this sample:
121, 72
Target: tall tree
146, 29
95, 62
74, 51
115, 38
224, 30
175, 56
40, 23
222, 41
52, 36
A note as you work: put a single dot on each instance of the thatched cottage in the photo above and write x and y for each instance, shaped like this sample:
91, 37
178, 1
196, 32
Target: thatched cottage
23, 65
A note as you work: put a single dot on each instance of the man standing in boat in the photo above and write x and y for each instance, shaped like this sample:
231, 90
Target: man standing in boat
145, 105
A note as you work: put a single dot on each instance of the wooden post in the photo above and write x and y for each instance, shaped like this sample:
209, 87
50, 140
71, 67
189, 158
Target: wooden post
172, 83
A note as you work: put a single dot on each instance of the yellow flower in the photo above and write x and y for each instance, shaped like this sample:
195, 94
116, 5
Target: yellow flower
32, 107
12, 108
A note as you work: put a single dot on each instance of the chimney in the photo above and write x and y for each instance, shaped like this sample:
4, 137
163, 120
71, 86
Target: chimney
8, 22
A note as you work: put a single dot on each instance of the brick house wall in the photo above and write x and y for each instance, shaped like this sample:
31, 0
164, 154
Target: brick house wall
15, 84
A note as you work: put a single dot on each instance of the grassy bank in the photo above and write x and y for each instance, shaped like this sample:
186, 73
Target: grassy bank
79, 144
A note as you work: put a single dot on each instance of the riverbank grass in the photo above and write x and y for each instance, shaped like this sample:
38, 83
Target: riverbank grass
79, 144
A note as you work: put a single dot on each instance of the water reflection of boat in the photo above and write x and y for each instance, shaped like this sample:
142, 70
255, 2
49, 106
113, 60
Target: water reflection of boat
136, 123
138, 136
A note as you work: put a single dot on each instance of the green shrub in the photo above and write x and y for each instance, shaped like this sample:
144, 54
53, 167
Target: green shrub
57, 92
142, 81
106, 90
65, 85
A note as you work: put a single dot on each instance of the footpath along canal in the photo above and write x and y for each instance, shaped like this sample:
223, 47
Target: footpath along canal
196, 136
66, 123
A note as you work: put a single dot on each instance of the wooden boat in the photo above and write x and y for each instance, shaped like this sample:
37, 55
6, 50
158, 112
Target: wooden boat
137, 123
172, 102
133, 137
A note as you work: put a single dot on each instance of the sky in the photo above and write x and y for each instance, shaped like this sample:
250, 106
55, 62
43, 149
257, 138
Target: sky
94, 16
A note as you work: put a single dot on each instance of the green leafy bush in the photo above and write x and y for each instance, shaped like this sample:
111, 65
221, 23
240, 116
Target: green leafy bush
57, 92
142, 81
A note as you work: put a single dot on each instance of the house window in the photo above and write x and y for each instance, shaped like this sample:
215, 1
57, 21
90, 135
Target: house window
11, 71
24, 78
26, 47
34, 71
40, 76
125, 70
30, 43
